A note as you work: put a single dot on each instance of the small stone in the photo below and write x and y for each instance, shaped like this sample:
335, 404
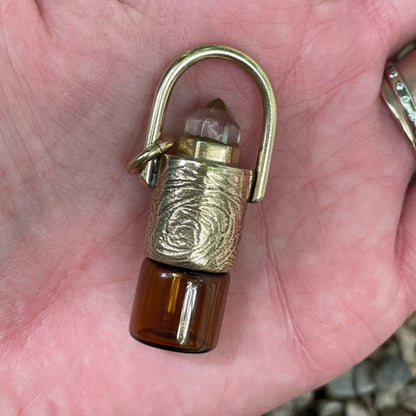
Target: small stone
330, 408
364, 380
286, 409
393, 375
407, 398
358, 381
413, 370
395, 412
405, 99
342, 387
355, 408
304, 401
411, 321
389, 349
385, 400
393, 75
406, 338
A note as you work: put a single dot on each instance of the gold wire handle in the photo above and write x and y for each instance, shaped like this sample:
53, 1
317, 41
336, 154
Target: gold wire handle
154, 132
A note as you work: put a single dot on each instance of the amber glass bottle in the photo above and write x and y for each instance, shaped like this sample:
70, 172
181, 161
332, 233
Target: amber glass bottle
178, 309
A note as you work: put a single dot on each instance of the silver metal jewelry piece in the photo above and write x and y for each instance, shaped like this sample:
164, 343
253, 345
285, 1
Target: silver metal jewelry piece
398, 91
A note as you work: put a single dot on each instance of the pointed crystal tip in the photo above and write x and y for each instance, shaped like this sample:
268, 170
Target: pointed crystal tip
214, 122
217, 104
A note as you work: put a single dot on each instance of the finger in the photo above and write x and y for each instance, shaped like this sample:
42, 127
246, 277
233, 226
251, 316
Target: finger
398, 19
26, 13
393, 20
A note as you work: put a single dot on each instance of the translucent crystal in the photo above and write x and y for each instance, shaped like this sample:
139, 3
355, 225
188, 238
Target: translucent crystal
214, 122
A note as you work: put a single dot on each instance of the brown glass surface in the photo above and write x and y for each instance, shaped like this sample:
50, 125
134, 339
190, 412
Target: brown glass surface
177, 309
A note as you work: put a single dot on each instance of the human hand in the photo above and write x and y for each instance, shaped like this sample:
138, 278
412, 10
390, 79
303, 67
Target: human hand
327, 260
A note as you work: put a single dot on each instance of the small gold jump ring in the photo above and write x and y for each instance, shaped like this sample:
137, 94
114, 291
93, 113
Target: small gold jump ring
137, 165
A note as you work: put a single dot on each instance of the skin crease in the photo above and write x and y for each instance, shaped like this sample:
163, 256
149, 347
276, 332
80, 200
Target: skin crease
327, 260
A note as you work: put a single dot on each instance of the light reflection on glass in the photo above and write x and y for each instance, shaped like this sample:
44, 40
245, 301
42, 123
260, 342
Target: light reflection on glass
188, 305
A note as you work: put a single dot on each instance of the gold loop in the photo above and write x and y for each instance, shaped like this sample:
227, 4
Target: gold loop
152, 152
269, 109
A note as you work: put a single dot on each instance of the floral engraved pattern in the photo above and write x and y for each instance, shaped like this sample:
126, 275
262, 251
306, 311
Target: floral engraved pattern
197, 214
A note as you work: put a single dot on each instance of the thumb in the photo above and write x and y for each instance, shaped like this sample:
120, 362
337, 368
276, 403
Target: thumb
395, 21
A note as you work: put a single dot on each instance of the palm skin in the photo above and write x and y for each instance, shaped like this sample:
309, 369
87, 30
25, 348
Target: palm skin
327, 260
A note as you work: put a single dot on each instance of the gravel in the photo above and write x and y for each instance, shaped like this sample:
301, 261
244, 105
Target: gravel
384, 384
